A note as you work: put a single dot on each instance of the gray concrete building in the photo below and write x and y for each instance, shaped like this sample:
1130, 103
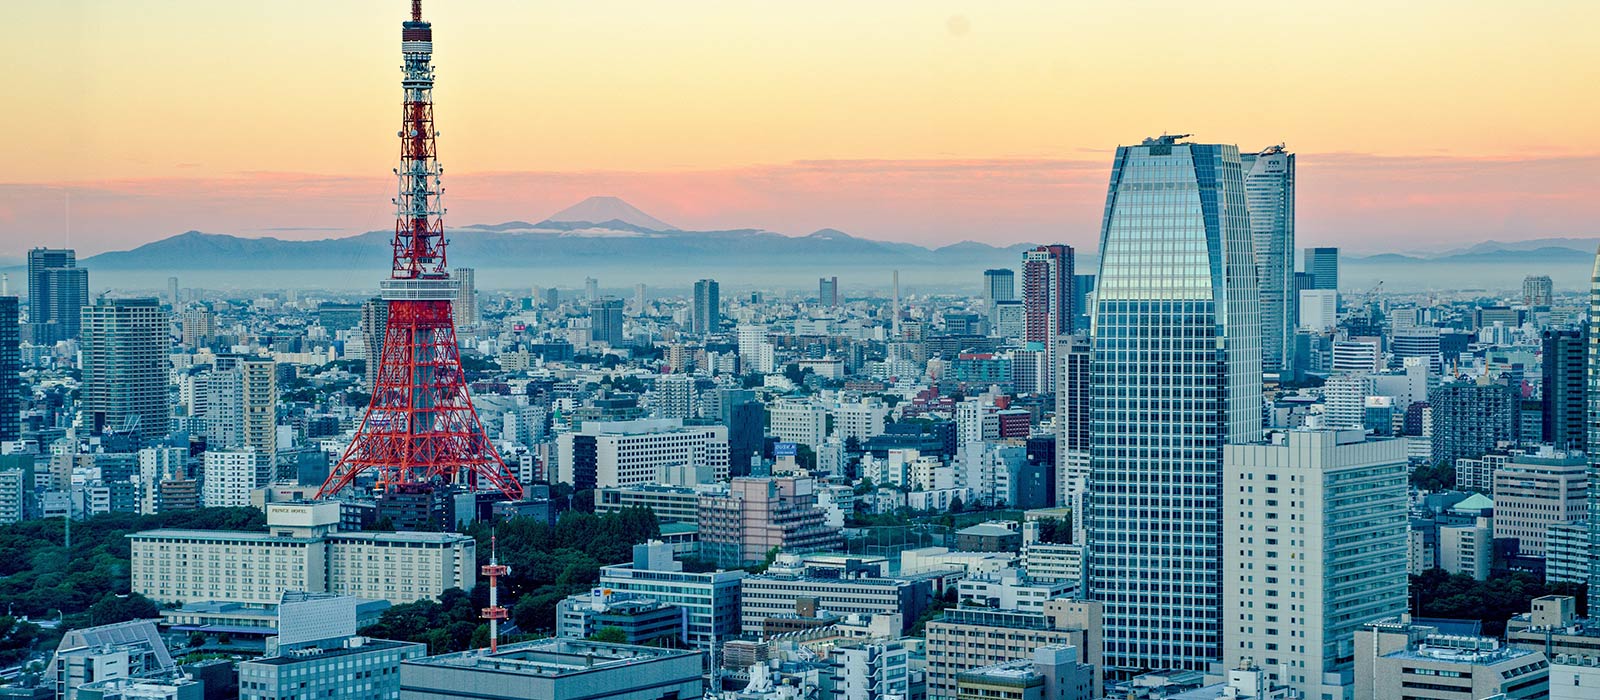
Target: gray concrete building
555, 669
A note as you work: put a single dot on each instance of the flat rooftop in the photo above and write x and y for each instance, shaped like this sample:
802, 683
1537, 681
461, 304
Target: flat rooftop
302, 655
553, 657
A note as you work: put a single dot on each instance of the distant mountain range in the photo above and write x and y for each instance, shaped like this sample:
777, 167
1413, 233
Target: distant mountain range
607, 231
596, 230
1540, 250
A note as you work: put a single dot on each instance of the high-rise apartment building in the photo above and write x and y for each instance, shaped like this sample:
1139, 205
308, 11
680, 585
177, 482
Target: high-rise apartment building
591, 289
125, 344
1176, 376
1323, 264
1565, 399
605, 318
1537, 291
640, 298
707, 307
229, 476
241, 404
1269, 194
1471, 416
1592, 343
57, 292
828, 291
674, 396
374, 325
1072, 426
466, 303
10, 366
1316, 531
1047, 294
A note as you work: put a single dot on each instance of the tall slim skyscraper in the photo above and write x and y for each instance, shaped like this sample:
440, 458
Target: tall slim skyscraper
374, 319
638, 298
591, 289
999, 284
125, 345
466, 306
242, 403
1269, 193
1323, 264
1176, 376
828, 291
57, 291
10, 366
605, 318
1047, 305
707, 307
172, 291
1565, 389
1593, 342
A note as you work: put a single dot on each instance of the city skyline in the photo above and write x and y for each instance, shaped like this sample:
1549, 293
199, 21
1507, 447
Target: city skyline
998, 148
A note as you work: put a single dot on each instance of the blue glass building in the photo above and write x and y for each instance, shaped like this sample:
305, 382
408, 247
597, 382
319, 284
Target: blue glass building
1176, 375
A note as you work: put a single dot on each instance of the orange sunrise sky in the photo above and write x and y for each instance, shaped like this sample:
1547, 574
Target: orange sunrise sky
1417, 124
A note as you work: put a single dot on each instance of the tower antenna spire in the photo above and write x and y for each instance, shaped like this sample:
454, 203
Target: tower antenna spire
420, 431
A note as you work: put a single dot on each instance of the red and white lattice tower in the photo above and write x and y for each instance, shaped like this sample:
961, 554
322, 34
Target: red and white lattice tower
494, 613
421, 429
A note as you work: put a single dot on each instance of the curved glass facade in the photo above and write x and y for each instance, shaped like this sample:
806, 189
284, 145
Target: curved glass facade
1176, 375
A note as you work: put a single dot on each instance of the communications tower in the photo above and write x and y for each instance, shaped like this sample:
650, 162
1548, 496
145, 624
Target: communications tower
495, 612
420, 430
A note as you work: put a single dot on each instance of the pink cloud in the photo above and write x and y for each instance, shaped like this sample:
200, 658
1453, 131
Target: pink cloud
1362, 201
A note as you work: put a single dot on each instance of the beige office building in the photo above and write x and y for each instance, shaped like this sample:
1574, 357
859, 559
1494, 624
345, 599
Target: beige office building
302, 550
1316, 542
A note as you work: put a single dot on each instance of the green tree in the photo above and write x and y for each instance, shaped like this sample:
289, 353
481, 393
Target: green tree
197, 639
16, 639
1434, 477
610, 635
114, 608
766, 562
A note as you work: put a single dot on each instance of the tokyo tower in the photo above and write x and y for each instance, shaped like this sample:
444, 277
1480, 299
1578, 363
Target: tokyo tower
420, 430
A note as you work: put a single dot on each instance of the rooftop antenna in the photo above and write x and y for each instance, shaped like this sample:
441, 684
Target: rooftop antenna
494, 570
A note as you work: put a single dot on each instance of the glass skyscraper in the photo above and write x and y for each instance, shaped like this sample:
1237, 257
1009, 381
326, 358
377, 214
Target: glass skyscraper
1269, 194
1176, 375
1323, 264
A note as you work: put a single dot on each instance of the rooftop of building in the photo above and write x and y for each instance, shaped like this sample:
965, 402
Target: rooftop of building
349, 647
224, 607
217, 535
988, 530
254, 536
887, 582
553, 657
1007, 671
1461, 650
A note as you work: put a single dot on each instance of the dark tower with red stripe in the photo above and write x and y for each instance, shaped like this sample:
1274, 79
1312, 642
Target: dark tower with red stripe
420, 431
